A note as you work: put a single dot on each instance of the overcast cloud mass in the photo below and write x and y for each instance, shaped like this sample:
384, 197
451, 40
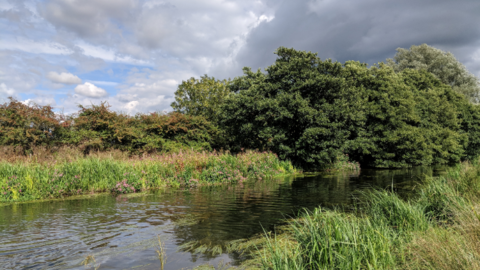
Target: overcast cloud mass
134, 53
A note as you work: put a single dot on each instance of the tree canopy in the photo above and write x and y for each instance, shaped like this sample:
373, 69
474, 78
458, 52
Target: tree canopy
201, 96
442, 64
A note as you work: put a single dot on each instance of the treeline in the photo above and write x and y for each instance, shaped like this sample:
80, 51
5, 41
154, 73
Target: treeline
98, 128
306, 110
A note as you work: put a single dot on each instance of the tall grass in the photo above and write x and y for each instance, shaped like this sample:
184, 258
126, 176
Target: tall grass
50, 179
439, 228
333, 240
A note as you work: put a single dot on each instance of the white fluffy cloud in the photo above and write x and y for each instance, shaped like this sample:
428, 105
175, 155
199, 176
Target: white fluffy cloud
40, 101
5, 92
90, 90
63, 77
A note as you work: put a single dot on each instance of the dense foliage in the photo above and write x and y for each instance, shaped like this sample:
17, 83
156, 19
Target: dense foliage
310, 111
98, 128
441, 64
24, 126
201, 97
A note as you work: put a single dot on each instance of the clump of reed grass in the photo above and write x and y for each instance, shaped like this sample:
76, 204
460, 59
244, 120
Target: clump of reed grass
334, 240
453, 239
383, 207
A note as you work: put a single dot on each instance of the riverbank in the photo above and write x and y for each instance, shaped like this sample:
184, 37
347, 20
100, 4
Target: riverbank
437, 229
34, 178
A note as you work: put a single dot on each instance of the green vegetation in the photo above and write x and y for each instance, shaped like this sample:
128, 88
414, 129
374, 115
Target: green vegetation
32, 180
441, 64
97, 128
438, 229
201, 97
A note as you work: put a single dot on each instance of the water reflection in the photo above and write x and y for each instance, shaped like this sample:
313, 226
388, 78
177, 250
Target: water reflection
121, 232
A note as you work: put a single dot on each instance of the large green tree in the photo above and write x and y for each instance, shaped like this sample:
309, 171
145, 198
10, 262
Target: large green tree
301, 108
201, 97
442, 64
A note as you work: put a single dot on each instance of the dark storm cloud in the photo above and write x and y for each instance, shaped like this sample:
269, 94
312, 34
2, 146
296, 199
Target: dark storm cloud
366, 31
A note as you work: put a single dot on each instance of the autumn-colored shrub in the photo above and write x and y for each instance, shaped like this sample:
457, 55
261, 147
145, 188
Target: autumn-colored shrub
26, 125
97, 128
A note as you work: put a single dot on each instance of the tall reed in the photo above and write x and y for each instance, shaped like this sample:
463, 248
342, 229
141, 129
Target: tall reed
333, 240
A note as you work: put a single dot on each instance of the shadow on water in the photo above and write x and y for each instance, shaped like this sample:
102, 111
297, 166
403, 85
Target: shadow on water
122, 232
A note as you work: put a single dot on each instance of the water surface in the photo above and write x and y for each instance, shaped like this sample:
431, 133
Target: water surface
122, 232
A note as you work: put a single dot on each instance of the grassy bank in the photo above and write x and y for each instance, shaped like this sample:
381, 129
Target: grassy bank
69, 173
438, 229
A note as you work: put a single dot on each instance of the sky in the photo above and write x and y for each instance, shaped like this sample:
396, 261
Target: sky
133, 54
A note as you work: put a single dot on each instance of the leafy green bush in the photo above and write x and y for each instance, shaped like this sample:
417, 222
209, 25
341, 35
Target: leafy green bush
201, 97
303, 109
181, 129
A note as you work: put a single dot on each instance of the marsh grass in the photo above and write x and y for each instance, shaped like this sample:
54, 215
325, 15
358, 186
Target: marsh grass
332, 240
118, 174
384, 207
46, 155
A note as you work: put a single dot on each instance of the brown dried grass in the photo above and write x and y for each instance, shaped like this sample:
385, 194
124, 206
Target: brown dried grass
44, 155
